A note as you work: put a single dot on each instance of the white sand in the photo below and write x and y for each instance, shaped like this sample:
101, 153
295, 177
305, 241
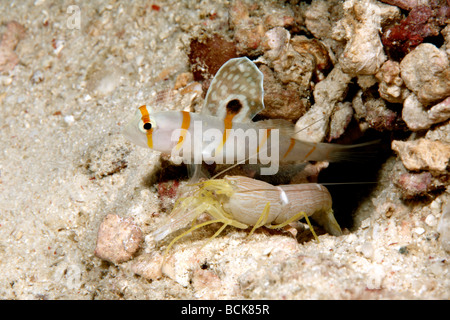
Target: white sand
52, 131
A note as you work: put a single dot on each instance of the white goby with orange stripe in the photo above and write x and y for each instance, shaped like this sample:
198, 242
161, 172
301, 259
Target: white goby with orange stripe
223, 132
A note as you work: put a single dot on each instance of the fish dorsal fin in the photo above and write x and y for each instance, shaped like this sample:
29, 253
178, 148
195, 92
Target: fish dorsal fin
237, 83
285, 127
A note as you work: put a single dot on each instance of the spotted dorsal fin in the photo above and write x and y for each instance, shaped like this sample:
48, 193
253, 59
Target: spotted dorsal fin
238, 79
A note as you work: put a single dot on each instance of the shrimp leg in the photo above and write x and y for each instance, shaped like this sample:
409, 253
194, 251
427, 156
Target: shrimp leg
214, 210
192, 229
292, 219
262, 219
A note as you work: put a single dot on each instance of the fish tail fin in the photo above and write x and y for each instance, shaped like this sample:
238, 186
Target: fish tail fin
353, 153
336, 152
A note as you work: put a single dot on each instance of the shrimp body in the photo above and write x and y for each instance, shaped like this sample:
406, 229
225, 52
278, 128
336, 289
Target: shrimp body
242, 202
252, 195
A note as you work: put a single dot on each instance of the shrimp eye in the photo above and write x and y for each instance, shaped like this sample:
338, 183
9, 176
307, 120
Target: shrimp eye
147, 126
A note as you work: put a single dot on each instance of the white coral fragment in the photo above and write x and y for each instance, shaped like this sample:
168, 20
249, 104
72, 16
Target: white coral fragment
327, 93
426, 72
364, 53
417, 117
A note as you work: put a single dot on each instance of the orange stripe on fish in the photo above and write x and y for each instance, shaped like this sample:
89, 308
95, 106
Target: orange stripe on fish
310, 152
263, 140
146, 119
291, 146
228, 124
145, 114
184, 128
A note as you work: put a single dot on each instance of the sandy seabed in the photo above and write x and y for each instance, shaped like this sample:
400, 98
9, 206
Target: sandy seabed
64, 166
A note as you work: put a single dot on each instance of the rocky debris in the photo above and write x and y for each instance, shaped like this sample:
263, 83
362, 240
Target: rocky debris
248, 31
413, 185
178, 265
276, 42
426, 72
444, 228
417, 117
296, 64
391, 86
446, 34
440, 112
14, 33
423, 154
406, 4
318, 19
313, 126
183, 79
318, 50
424, 20
293, 65
373, 112
118, 239
208, 53
414, 114
363, 53
281, 101
148, 265
340, 119
440, 132
321, 19
378, 116
206, 283
251, 21
279, 16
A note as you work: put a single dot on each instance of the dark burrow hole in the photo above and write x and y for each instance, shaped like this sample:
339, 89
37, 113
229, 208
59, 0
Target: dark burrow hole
350, 183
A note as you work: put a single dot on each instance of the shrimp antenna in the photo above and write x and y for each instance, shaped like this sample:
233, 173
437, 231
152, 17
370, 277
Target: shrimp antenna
310, 125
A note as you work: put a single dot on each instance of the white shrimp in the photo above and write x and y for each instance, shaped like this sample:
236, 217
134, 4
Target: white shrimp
241, 202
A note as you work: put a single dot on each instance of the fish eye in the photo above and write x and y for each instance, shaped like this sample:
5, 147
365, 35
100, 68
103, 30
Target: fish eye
145, 127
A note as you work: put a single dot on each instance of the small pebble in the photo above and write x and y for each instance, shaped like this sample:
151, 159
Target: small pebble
425, 72
6, 81
423, 154
365, 223
431, 220
444, 228
414, 185
367, 250
118, 239
69, 119
37, 77
403, 250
